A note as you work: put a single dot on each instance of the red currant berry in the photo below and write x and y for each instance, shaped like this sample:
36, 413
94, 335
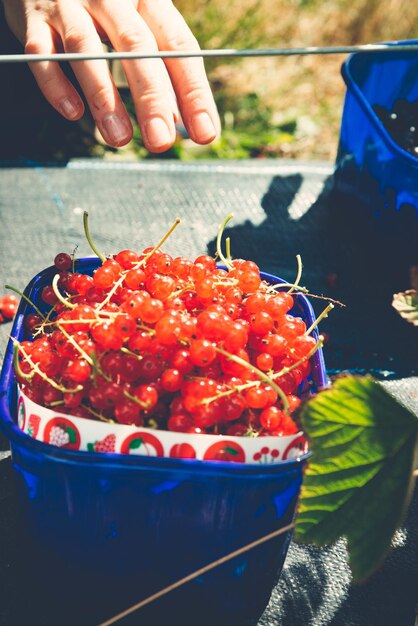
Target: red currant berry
135, 278
77, 370
147, 396
128, 412
261, 323
202, 352
180, 422
302, 345
63, 261
271, 418
171, 380
256, 397
278, 305
264, 361
127, 259
180, 360
181, 267
48, 295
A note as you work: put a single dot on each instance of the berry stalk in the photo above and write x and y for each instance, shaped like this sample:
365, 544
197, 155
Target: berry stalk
298, 276
224, 259
320, 317
262, 375
22, 295
89, 239
60, 297
35, 368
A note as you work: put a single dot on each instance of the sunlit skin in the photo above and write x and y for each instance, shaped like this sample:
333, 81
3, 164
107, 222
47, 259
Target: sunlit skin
162, 91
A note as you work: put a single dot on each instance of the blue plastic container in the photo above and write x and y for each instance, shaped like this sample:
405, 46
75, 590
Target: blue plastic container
121, 528
370, 165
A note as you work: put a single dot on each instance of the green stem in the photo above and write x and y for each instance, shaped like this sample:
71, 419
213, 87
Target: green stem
140, 263
98, 415
73, 342
262, 375
228, 248
129, 396
98, 370
319, 318
255, 383
22, 295
278, 286
299, 274
72, 322
89, 239
16, 364
219, 242
35, 368
286, 370
131, 353
326, 298
73, 260
47, 318
60, 297
164, 239
302, 291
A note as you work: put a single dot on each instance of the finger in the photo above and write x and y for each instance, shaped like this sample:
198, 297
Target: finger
53, 83
188, 76
148, 79
79, 35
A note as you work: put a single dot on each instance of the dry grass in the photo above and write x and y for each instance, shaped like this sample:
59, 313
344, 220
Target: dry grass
309, 89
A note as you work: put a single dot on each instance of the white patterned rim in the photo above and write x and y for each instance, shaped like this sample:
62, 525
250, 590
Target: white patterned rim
78, 433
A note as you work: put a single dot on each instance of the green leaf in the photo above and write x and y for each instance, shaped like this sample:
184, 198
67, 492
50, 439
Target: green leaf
136, 443
90, 447
71, 434
231, 451
406, 303
359, 479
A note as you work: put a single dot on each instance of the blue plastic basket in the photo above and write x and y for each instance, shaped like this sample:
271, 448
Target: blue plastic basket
370, 165
124, 527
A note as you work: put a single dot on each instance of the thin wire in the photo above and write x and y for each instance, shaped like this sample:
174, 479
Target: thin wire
232, 52
199, 572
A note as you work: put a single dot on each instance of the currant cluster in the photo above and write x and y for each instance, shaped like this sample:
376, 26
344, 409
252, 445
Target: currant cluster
168, 343
8, 307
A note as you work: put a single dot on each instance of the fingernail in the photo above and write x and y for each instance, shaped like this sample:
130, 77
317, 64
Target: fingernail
116, 130
157, 133
68, 108
203, 128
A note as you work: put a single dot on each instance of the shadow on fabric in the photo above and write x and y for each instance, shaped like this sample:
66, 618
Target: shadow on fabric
349, 255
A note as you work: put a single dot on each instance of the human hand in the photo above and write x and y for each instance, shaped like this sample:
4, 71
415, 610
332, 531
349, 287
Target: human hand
50, 26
